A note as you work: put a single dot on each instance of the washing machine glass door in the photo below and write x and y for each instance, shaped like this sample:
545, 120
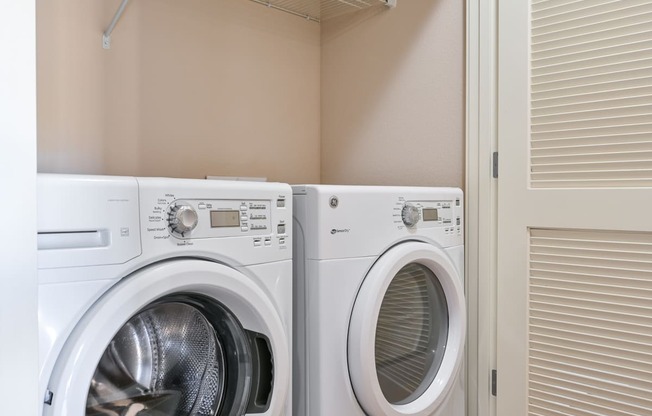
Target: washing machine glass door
407, 332
179, 338
171, 358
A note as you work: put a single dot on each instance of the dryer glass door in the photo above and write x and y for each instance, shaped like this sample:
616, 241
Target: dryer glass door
407, 331
411, 333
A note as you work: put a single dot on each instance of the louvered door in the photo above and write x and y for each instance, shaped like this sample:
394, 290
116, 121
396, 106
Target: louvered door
574, 303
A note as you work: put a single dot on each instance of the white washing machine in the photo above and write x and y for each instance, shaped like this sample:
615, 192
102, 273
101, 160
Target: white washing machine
164, 296
380, 318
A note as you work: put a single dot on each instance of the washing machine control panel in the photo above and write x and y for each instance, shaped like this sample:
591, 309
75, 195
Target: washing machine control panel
209, 218
248, 222
429, 214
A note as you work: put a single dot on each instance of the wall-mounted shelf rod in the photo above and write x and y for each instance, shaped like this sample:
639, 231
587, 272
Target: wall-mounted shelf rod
286, 10
106, 37
322, 10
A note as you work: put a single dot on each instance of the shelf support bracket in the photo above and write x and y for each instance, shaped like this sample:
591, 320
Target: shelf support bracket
106, 36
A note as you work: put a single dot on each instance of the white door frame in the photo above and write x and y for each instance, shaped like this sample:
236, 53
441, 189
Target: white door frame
481, 202
18, 277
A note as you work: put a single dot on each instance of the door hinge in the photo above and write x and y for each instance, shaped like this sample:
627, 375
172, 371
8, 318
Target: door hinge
494, 382
494, 165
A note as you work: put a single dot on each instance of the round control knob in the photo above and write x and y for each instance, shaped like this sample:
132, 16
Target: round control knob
183, 218
410, 215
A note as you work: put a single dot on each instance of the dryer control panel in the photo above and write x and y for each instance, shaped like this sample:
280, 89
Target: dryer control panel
428, 214
357, 221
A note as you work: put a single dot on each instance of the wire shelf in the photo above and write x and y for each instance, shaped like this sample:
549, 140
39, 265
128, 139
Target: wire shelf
318, 10
314, 10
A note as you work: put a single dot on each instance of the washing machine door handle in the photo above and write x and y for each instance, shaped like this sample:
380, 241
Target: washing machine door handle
407, 332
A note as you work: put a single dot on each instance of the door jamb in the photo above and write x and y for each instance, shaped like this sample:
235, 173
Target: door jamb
481, 202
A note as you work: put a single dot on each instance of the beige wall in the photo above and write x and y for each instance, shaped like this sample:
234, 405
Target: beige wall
229, 87
190, 88
70, 86
393, 95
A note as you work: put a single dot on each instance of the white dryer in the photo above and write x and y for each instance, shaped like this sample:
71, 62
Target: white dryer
164, 296
380, 315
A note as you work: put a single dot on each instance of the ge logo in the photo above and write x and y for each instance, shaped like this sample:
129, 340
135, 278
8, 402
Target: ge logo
333, 231
333, 202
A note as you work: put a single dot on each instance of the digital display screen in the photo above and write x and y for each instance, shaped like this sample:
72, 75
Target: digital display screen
430, 214
225, 219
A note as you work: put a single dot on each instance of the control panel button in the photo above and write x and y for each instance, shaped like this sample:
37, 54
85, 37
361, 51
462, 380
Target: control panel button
280, 203
244, 228
257, 242
280, 229
243, 207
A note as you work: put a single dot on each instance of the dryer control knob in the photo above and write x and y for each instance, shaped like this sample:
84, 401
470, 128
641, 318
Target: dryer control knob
410, 215
183, 218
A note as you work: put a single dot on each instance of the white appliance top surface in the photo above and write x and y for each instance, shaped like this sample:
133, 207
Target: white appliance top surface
370, 189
